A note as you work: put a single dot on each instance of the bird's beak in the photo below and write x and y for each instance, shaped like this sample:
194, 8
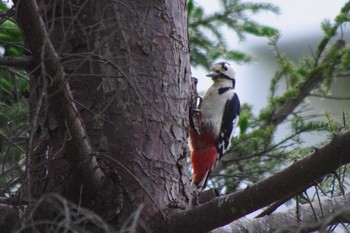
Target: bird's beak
213, 74
214, 71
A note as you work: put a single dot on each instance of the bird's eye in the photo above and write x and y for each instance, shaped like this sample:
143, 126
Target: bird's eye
225, 68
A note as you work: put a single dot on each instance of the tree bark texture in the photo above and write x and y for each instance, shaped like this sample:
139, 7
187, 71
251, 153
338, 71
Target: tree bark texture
126, 65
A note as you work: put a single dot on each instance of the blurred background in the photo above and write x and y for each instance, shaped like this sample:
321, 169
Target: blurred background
299, 24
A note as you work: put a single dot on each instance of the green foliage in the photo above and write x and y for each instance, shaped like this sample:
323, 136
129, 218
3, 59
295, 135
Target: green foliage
207, 42
12, 85
299, 125
11, 39
12, 82
333, 126
279, 100
13, 139
244, 118
13, 122
13, 105
345, 58
10, 36
330, 29
327, 27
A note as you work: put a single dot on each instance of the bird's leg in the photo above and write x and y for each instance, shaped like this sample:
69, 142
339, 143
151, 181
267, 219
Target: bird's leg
199, 101
197, 116
195, 113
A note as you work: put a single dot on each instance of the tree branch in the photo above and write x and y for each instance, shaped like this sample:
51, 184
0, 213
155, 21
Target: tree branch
16, 62
316, 76
45, 56
310, 218
223, 210
330, 97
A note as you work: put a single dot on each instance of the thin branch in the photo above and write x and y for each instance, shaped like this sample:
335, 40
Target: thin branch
16, 62
44, 55
223, 210
231, 157
6, 15
330, 97
276, 204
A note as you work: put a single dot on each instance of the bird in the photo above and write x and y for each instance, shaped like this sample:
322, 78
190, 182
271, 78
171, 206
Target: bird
219, 111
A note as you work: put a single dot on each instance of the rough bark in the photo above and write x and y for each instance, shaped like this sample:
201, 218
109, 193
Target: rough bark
301, 174
110, 89
147, 103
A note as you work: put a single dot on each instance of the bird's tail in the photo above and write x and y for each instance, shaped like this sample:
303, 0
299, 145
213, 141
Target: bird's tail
202, 162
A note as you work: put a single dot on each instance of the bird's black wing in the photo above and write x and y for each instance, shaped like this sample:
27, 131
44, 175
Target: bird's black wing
228, 125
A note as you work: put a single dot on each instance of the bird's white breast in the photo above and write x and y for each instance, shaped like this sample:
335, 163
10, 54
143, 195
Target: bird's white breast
212, 108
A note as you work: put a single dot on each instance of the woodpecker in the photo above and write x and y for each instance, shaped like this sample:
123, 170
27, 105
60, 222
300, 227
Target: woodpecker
219, 112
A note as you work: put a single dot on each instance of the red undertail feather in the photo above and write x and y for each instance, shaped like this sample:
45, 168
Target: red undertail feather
202, 161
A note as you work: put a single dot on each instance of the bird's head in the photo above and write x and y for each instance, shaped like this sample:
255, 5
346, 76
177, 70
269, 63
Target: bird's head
222, 70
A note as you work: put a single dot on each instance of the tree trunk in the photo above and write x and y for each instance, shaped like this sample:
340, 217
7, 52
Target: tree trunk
127, 67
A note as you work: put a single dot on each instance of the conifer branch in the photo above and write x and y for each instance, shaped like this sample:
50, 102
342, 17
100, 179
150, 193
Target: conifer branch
315, 78
300, 175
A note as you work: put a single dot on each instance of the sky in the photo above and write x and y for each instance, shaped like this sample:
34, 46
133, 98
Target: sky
297, 22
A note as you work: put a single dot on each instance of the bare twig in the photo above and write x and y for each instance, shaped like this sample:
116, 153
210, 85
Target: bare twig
69, 217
